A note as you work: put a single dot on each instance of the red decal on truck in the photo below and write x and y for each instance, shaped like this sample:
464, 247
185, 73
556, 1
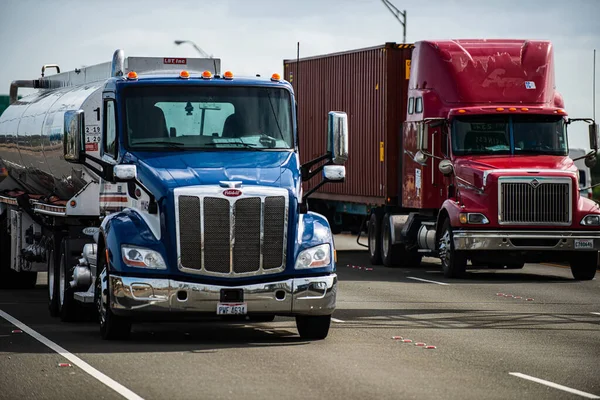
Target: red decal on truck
91, 147
174, 60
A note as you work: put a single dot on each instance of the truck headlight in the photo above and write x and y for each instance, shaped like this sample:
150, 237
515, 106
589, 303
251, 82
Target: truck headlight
473, 218
591, 220
140, 257
315, 257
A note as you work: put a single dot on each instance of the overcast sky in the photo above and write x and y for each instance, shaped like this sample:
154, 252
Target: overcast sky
254, 36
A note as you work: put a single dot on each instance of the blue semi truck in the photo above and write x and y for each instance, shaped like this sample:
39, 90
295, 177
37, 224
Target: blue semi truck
157, 188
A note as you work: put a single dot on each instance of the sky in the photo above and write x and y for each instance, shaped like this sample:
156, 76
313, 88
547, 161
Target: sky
255, 36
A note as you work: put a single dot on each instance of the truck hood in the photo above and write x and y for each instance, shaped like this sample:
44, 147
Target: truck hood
165, 171
476, 169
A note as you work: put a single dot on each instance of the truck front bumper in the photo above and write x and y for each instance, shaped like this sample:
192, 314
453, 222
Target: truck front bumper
299, 296
527, 240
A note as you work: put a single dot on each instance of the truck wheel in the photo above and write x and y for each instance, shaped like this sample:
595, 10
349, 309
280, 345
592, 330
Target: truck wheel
313, 327
454, 263
375, 239
112, 327
53, 286
583, 266
68, 307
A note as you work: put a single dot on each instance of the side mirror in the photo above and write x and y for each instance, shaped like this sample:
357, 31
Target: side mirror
446, 167
593, 128
124, 173
334, 172
590, 161
337, 136
73, 136
421, 137
420, 158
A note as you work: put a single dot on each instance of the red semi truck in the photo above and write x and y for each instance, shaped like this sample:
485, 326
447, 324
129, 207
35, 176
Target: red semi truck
459, 151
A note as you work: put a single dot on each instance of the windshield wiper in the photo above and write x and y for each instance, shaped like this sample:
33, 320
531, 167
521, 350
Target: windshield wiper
226, 144
541, 152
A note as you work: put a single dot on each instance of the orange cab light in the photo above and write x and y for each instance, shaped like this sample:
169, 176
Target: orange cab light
132, 75
73, 203
228, 75
560, 111
184, 74
462, 111
512, 109
524, 109
499, 109
276, 77
207, 74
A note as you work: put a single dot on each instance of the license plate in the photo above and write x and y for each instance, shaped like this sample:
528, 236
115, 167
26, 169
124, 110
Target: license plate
584, 243
232, 308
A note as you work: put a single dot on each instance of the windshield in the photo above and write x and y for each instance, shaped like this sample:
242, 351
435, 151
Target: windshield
517, 134
208, 117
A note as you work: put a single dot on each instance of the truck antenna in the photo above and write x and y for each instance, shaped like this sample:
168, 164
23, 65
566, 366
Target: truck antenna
594, 88
397, 13
297, 66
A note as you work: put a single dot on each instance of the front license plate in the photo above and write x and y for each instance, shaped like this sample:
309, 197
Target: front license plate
232, 308
584, 244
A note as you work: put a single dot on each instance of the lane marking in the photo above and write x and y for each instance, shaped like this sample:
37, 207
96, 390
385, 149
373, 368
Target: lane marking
114, 385
426, 280
555, 385
597, 313
337, 320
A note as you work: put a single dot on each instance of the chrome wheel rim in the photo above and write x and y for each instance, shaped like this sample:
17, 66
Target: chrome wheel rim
61, 293
101, 297
444, 249
385, 246
372, 240
51, 276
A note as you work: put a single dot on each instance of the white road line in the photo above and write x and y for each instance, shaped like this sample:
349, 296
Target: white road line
117, 387
555, 385
425, 280
337, 320
597, 313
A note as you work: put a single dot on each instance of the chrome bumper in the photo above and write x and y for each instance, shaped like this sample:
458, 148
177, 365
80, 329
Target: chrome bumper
522, 240
300, 296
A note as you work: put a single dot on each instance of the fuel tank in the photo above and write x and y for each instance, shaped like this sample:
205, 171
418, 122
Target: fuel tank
31, 141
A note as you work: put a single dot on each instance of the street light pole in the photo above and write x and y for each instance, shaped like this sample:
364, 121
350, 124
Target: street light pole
202, 52
397, 13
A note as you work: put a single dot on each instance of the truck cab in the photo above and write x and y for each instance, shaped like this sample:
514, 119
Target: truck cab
488, 146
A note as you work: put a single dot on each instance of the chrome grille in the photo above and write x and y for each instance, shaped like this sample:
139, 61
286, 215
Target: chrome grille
189, 234
537, 201
231, 236
217, 253
274, 225
246, 248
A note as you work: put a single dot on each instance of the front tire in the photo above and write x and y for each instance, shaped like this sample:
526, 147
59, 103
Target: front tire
584, 265
454, 263
313, 327
375, 239
112, 327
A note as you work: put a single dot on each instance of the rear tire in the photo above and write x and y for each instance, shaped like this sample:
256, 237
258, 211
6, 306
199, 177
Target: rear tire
112, 327
396, 255
313, 327
68, 307
375, 239
584, 265
454, 263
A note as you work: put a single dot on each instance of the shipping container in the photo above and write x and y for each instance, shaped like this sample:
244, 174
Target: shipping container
370, 85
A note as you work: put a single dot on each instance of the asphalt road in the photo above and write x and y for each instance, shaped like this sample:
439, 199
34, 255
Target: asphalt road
480, 338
